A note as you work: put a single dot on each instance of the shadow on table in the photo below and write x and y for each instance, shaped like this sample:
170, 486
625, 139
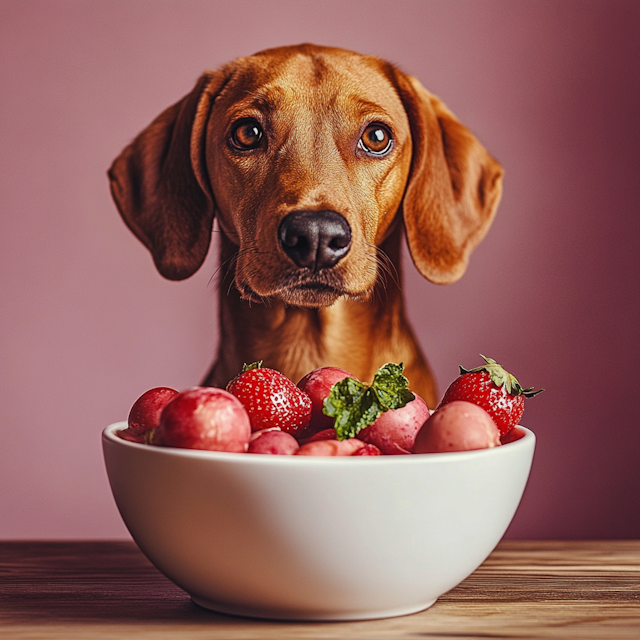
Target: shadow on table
91, 581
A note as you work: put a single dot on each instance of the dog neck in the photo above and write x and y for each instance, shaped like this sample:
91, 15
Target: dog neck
358, 336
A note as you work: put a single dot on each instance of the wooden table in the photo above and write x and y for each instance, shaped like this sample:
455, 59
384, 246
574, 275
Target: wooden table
88, 590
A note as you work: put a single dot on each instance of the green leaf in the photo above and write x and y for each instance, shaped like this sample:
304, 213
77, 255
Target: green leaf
391, 386
529, 393
354, 405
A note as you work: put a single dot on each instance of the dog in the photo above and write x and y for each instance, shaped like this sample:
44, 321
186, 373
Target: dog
315, 161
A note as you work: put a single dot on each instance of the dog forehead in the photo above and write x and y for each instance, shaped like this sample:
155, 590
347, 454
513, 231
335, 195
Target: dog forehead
314, 77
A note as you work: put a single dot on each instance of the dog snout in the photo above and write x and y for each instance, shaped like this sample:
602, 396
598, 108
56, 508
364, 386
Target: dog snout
315, 239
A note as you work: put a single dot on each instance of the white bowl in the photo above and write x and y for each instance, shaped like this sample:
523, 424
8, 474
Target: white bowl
301, 538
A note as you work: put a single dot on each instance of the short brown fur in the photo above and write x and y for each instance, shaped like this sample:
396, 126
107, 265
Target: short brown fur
313, 104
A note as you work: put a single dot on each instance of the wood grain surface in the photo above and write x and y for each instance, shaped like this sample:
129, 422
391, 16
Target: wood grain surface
95, 590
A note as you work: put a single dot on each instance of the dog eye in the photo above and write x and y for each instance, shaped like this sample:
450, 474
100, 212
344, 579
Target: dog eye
246, 134
376, 140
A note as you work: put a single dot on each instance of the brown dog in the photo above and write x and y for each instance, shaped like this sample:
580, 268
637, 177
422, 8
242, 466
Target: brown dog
305, 155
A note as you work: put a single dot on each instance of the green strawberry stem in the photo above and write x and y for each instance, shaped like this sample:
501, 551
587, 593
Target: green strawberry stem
502, 378
245, 367
354, 405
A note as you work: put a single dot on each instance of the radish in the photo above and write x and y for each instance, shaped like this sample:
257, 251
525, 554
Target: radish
347, 447
394, 432
273, 441
317, 385
204, 418
457, 426
144, 416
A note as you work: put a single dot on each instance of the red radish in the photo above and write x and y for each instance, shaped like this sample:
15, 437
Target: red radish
144, 416
331, 448
325, 434
394, 431
204, 418
457, 426
368, 450
271, 399
317, 384
274, 442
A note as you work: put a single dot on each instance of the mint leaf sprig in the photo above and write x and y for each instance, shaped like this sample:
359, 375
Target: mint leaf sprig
354, 405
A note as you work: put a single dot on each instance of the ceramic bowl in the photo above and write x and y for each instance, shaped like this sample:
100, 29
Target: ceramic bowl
302, 538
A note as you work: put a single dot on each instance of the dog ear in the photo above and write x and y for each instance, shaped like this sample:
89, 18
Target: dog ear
160, 184
453, 190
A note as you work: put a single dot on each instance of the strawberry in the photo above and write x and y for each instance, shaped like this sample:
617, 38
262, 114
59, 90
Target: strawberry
493, 389
271, 399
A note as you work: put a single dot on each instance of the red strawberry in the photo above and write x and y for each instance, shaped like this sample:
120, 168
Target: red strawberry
493, 389
271, 399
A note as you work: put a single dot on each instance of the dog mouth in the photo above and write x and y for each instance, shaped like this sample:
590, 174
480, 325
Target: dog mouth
319, 287
301, 290
311, 295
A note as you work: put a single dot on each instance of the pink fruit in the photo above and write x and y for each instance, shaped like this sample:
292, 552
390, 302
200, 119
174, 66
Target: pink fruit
317, 384
368, 450
347, 447
511, 436
273, 441
325, 434
394, 432
457, 426
204, 418
144, 416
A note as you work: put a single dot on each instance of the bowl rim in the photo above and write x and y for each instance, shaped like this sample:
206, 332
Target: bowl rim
527, 440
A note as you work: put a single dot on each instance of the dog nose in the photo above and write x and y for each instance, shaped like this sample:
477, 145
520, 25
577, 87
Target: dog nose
315, 239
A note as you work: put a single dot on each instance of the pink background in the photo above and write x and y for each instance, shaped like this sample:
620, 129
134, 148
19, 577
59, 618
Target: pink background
551, 88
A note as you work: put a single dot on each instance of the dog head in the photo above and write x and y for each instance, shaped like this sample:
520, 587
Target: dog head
305, 155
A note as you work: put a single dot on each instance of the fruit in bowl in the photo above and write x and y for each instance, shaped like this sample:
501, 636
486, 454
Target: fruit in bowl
494, 389
331, 413
271, 399
457, 426
204, 418
394, 432
328, 527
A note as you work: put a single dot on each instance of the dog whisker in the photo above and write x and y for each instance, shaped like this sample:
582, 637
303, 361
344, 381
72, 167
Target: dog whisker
227, 263
379, 270
387, 265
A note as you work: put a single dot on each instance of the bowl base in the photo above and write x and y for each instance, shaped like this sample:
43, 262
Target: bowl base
307, 616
